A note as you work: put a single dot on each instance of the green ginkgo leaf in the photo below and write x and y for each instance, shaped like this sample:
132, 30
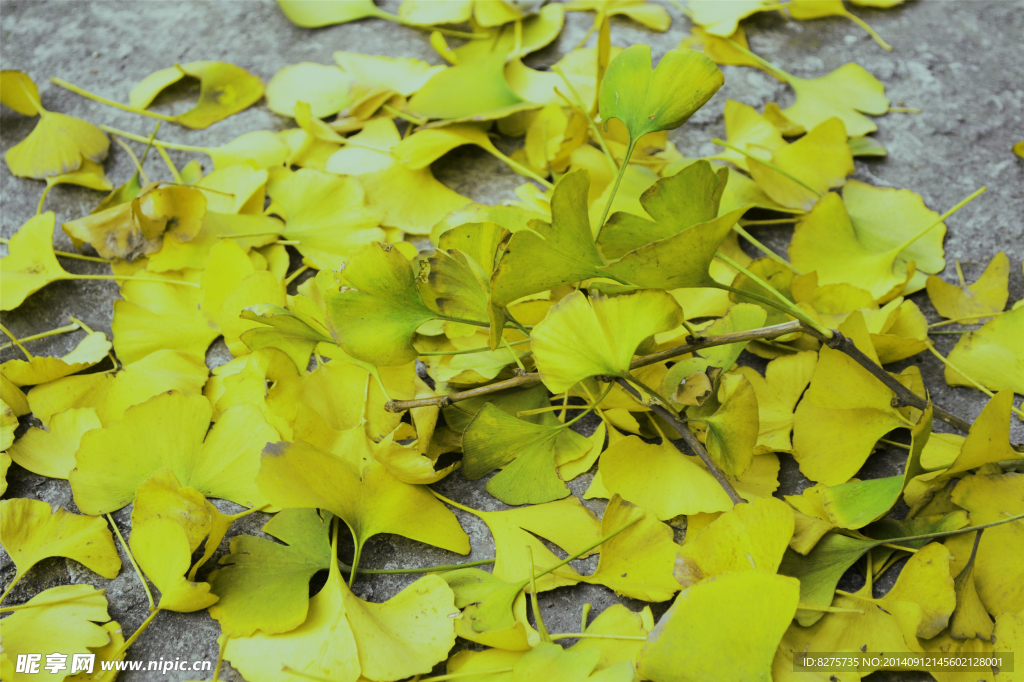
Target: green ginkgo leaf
583, 337
680, 261
527, 453
546, 256
32, 531
264, 585
676, 203
647, 100
474, 90
376, 323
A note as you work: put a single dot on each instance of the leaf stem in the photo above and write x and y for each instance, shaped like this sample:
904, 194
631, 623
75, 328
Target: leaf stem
870, 31
691, 441
482, 349
579, 105
67, 254
764, 249
762, 61
135, 565
542, 629
829, 609
959, 320
475, 673
292, 277
402, 115
775, 221
157, 143
220, 656
584, 635
129, 278
591, 407
618, 179
109, 102
14, 339
425, 569
135, 635
42, 335
10, 588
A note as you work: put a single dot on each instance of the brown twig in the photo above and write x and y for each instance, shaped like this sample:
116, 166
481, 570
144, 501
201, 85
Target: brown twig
690, 439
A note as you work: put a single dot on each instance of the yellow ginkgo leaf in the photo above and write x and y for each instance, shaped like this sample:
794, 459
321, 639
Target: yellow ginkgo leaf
989, 438
777, 393
809, 167
8, 424
617, 620
537, 30
649, 14
29, 264
999, 568
583, 337
90, 174
354, 486
170, 431
376, 80
111, 394
484, 92
32, 531
230, 284
726, 422
748, 537
42, 369
925, 581
324, 88
699, 636
517, 532
346, 639
153, 316
720, 49
988, 294
845, 94
139, 227
328, 216
991, 355
61, 620
193, 254
842, 397
409, 200
722, 18
161, 548
19, 92
743, 127
638, 562
59, 143
224, 89
803, 10
52, 452
668, 483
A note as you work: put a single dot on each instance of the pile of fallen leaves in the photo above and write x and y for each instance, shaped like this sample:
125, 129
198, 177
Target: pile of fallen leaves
423, 324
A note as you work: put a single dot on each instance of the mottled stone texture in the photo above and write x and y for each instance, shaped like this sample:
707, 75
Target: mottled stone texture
960, 63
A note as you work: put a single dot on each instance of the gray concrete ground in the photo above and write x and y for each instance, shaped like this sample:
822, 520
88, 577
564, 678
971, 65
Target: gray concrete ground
960, 63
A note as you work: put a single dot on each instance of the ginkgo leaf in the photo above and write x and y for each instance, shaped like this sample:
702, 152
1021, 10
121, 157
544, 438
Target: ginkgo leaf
90, 174
19, 92
698, 637
550, 661
161, 548
583, 337
988, 355
545, 256
676, 203
988, 294
61, 620
726, 422
680, 261
376, 323
668, 483
537, 29
327, 215
263, 585
749, 131
638, 562
989, 438
997, 569
722, 19
925, 580
847, 93
376, 79
663, 98
111, 394
29, 264
483, 92
324, 88
858, 503
230, 284
803, 10
345, 638
820, 160
138, 227
844, 398
169, 431
720, 50
354, 486
152, 316
651, 15
527, 453
748, 537
285, 331
777, 393
224, 89
52, 452
42, 369
58, 144
32, 531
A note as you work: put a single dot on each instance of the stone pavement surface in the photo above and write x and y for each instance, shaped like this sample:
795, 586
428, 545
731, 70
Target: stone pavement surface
960, 63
